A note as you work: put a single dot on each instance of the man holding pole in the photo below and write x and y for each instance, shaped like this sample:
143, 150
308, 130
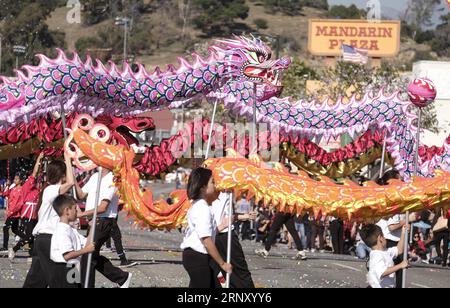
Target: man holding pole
241, 276
107, 212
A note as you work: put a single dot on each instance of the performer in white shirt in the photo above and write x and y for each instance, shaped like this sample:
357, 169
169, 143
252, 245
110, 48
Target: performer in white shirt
241, 277
199, 250
59, 181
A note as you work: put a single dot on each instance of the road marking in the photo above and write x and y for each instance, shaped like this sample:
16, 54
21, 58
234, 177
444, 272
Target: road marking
420, 285
348, 267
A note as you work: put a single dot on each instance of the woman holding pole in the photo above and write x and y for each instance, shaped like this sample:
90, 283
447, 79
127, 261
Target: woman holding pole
199, 249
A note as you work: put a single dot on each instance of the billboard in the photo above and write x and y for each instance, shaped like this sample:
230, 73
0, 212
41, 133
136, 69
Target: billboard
381, 39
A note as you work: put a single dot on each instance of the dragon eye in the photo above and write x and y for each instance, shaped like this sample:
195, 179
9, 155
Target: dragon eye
261, 58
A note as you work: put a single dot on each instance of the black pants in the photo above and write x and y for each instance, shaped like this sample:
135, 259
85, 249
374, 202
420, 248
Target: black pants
13, 224
241, 276
26, 234
245, 230
337, 236
319, 230
200, 268
438, 238
41, 273
398, 260
103, 265
62, 280
280, 220
116, 236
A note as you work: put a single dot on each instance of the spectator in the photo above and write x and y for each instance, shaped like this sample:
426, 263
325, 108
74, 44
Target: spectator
362, 250
317, 230
300, 222
286, 219
337, 235
243, 208
262, 224
418, 251
441, 235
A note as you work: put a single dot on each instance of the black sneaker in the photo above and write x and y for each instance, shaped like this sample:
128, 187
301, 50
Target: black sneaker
127, 263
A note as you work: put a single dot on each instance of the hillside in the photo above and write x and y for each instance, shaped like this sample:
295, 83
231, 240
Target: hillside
293, 31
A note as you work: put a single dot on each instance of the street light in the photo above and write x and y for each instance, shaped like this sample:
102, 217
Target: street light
123, 21
19, 50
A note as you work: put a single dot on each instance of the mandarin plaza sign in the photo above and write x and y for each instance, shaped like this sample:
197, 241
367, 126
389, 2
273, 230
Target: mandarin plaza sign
381, 39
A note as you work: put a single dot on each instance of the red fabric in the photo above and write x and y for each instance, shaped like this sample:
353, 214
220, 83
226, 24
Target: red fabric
49, 129
30, 199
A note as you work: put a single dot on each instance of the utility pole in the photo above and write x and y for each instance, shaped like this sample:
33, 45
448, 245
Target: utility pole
124, 21
19, 50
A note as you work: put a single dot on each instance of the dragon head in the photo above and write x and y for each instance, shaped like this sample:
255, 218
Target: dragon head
250, 59
122, 127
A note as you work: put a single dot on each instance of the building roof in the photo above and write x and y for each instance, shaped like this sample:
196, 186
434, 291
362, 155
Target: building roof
163, 119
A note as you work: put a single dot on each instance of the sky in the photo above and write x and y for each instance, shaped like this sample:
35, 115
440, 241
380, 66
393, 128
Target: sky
389, 8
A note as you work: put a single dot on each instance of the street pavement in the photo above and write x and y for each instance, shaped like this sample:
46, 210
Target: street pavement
159, 264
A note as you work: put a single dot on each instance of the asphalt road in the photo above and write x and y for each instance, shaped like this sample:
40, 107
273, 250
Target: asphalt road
159, 259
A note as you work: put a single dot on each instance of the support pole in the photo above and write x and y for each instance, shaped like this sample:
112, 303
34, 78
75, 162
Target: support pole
383, 157
64, 124
230, 203
416, 172
208, 149
254, 146
230, 218
94, 219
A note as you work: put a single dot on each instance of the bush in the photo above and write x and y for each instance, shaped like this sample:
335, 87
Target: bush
261, 23
319, 4
425, 36
217, 16
287, 7
441, 43
344, 12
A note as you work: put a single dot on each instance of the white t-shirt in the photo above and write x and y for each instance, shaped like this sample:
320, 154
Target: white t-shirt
220, 208
243, 206
201, 224
65, 239
107, 192
47, 217
397, 234
379, 262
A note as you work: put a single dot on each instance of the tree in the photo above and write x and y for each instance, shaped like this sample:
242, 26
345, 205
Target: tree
287, 7
260, 23
363, 79
441, 43
217, 16
421, 14
424, 36
24, 24
344, 12
295, 78
320, 4
96, 11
